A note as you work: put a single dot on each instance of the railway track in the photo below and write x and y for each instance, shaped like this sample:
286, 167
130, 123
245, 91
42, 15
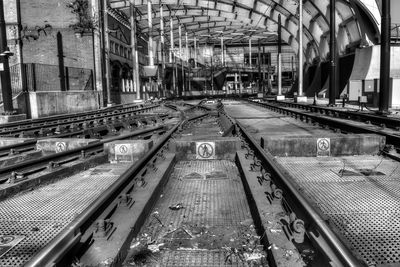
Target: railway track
56, 250
340, 121
368, 118
266, 223
79, 124
312, 224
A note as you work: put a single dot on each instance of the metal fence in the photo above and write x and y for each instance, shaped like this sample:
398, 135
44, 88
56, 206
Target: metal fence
43, 77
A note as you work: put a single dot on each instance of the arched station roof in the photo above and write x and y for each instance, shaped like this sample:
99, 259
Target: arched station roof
238, 20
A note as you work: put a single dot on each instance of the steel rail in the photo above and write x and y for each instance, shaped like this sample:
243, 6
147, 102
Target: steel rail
59, 246
55, 123
31, 143
332, 122
362, 117
335, 244
69, 116
53, 157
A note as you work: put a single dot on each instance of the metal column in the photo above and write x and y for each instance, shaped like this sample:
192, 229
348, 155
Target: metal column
163, 93
259, 67
181, 58
300, 91
172, 55
150, 43
250, 51
222, 51
60, 55
384, 82
332, 50
135, 61
106, 51
5, 71
195, 52
279, 55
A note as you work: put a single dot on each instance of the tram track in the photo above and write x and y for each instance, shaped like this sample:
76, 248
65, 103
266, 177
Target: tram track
77, 125
339, 123
271, 198
56, 250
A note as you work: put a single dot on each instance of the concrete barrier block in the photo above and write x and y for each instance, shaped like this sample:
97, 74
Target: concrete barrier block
7, 141
127, 150
206, 149
327, 145
55, 145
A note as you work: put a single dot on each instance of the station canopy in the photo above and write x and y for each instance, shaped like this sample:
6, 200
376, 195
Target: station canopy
238, 20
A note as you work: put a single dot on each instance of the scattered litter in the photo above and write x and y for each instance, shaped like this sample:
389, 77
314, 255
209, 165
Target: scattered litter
176, 207
107, 262
288, 253
255, 256
275, 231
134, 245
273, 246
155, 248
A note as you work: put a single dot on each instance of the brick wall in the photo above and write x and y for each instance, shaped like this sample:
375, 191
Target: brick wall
41, 21
41, 12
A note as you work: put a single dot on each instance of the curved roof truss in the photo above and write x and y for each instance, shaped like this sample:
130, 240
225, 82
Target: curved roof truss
237, 21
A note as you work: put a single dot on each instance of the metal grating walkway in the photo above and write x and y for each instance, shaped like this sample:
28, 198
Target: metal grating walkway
41, 214
364, 208
215, 216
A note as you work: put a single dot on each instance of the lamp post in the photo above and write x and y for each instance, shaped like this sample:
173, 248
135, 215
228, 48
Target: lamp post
4, 66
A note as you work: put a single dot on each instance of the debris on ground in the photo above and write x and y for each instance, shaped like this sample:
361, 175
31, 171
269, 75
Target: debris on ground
177, 206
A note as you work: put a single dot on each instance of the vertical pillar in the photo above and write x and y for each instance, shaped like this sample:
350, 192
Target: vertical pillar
212, 70
172, 55
181, 59
222, 51
300, 97
171, 51
186, 47
332, 50
187, 59
264, 66
195, 53
280, 57
60, 55
5, 72
235, 86
384, 82
240, 83
150, 23
269, 85
250, 51
259, 67
300, 91
292, 61
106, 51
162, 50
135, 60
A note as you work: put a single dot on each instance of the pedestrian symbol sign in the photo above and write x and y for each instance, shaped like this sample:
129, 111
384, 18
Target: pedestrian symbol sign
205, 150
323, 147
61, 147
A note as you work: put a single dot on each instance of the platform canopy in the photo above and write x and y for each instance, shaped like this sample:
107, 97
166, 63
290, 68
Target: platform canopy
238, 20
